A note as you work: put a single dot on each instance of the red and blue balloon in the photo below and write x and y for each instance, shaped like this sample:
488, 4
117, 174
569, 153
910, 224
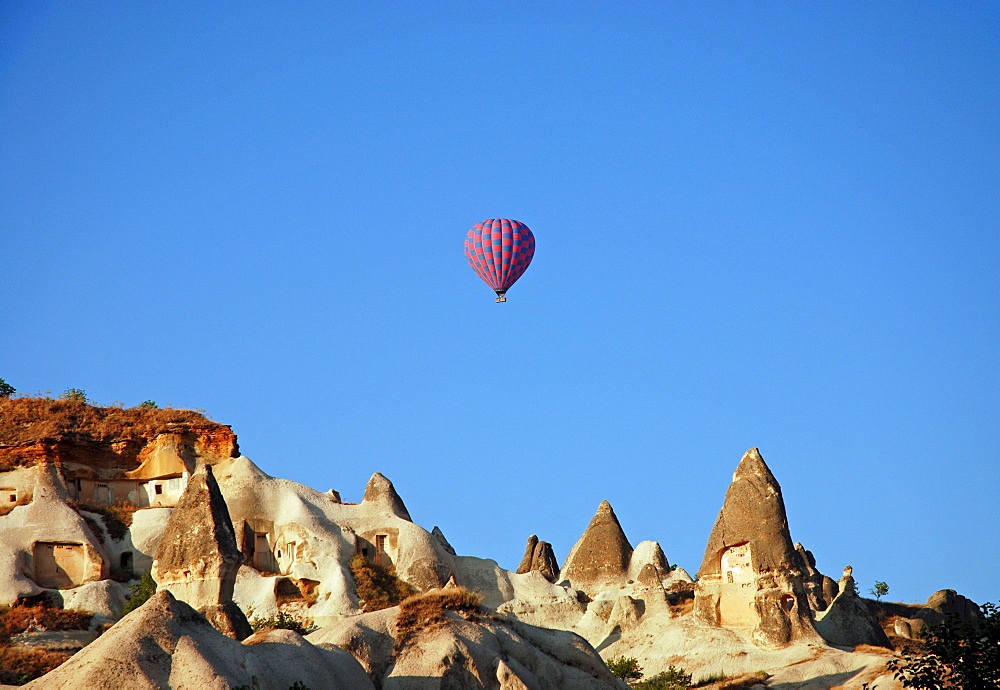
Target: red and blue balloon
499, 250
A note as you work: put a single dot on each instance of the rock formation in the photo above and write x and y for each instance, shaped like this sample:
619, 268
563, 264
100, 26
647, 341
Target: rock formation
602, 555
848, 621
105, 455
198, 558
45, 545
296, 544
820, 589
648, 556
439, 535
380, 494
948, 602
466, 650
750, 577
167, 644
538, 555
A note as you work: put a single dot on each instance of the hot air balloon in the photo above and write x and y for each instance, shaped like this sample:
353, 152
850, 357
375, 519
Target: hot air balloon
499, 250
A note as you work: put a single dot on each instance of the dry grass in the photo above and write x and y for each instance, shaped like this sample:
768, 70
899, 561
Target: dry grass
18, 619
378, 587
745, 680
30, 420
18, 666
117, 516
872, 649
680, 597
423, 611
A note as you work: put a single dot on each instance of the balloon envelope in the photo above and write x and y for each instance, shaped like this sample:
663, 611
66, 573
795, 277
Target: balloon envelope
499, 250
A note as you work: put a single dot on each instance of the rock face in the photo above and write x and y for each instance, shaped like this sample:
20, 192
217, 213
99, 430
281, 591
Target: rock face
820, 589
381, 494
105, 442
750, 577
463, 650
602, 555
198, 557
44, 543
297, 544
167, 644
948, 602
538, 555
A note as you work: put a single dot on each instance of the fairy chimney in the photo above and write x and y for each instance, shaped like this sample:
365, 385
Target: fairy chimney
538, 555
750, 578
197, 558
600, 559
381, 495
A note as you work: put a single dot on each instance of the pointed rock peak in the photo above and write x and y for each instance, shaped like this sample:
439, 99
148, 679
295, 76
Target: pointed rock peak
649, 576
753, 514
380, 492
753, 465
439, 535
198, 556
602, 555
605, 515
529, 552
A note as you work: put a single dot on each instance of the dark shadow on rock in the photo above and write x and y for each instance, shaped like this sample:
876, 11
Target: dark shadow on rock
817, 683
615, 635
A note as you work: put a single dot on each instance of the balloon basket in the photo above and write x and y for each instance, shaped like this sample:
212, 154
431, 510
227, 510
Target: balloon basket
501, 299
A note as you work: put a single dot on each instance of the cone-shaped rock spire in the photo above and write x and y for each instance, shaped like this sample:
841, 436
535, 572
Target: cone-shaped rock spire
753, 513
751, 577
197, 558
601, 557
538, 555
382, 494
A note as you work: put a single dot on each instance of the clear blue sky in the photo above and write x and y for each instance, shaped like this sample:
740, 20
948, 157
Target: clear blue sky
758, 224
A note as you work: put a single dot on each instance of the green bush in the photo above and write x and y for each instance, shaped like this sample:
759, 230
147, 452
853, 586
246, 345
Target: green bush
283, 621
956, 655
140, 592
671, 679
625, 668
6, 390
377, 586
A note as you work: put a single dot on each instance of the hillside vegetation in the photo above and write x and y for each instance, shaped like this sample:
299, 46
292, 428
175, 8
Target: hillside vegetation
31, 420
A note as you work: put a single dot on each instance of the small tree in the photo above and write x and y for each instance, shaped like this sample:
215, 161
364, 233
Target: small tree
74, 395
149, 405
625, 668
140, 592
956, 655
6, 390
879, 590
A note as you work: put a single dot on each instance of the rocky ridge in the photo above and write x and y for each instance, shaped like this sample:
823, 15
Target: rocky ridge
230, 538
